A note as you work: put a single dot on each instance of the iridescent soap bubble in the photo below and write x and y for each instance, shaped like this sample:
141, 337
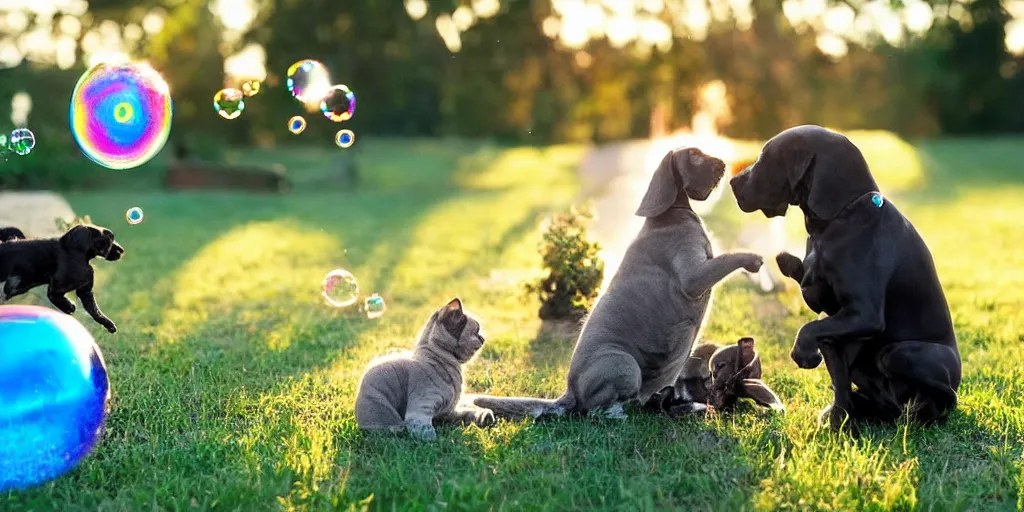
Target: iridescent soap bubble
340, 288
54, 391
344, 138
296, 125
374, 306
229, 103
251, 88
338, 104
133, 215
121, 114
308, 80
22, 141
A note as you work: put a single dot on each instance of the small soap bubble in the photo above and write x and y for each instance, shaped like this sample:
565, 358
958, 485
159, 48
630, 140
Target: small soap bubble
229, 103
308, 80
251, 88
374, 306
339, 104
3, 142
297, 125
344, 138
22, 141
340, 288
133, 215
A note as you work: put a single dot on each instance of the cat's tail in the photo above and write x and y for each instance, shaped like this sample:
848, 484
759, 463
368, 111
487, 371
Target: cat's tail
517, 407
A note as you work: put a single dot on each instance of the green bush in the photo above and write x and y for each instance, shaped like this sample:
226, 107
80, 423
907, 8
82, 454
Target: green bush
574, 270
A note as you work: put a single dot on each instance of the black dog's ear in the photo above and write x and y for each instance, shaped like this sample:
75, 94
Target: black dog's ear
78, 238
798, 163
664, 187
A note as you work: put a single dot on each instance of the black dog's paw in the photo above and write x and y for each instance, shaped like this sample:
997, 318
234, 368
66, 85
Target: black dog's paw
69, 309
806, 359
111, 328
789, 265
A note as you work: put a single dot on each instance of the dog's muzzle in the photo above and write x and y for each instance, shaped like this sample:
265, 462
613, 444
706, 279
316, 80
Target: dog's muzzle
738, 184
114, 253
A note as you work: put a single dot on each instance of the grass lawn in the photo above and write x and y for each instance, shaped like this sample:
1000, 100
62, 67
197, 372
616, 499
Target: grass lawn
233, 385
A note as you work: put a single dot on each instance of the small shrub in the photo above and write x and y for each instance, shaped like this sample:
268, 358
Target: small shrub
574, 270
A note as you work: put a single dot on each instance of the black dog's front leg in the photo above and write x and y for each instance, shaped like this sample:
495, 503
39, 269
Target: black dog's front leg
89, 303
56, 295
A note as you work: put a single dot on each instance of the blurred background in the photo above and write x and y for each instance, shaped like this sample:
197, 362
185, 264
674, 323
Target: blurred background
531, 71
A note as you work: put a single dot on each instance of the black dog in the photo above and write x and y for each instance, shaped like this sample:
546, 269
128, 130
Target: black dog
62, 263
888, 328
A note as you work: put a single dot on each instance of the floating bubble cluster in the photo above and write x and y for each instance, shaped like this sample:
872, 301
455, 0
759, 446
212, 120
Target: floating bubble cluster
296, 125
344, 138
308, 80
229, 103
121, 114
374, 306
54, 391
251, 88
134, 215
339, 104
340, 288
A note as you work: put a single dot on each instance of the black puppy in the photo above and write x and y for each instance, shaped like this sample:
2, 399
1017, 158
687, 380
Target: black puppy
888, 328
8, 234
62, 263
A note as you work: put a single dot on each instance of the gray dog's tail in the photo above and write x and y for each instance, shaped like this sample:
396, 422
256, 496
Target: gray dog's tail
517, 408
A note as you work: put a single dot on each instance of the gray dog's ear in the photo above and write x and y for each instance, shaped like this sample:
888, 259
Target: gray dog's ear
664, 187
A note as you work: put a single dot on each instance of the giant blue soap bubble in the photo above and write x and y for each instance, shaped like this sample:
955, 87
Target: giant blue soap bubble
53, 395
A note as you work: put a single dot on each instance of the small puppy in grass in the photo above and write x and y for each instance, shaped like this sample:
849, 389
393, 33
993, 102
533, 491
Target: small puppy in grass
61, 263
717, 376
416, 391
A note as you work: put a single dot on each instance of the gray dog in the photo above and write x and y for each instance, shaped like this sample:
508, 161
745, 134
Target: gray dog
641, 331
888, 328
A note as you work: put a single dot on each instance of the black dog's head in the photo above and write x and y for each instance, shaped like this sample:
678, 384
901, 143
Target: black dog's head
93, 241
12, 233
812, 167
684, 171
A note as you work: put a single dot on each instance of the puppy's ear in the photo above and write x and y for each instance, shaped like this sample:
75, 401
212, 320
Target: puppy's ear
746, 353
700, 174
664, 187
77, 238
758, 391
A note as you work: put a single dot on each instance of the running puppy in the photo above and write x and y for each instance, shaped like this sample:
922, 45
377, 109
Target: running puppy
62, 264
888, 328
415, 391
641, 330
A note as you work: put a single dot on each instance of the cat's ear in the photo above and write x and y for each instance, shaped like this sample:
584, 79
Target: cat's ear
454, 305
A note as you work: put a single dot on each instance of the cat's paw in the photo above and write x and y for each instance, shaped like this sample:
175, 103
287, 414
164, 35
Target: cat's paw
484, 418
422, 432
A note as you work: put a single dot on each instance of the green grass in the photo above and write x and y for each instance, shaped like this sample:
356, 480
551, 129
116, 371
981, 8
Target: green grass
233, 384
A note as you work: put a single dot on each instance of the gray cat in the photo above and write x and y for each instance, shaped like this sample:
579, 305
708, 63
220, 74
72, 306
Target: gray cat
415, 391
